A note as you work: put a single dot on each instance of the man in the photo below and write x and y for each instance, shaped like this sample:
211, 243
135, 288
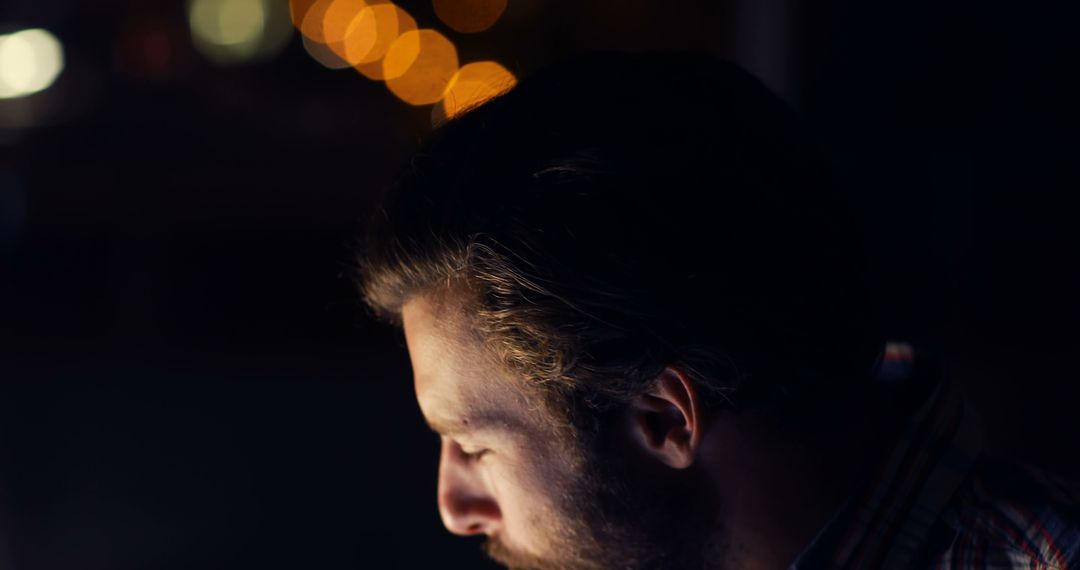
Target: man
635, 308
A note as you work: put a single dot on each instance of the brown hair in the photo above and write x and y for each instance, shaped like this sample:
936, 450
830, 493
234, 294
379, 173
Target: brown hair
622, 213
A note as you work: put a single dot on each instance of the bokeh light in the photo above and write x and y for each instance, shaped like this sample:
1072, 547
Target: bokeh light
298, 10
228, 22
234, 31
322, 53
359, 38
473, 84
30, 61
314, 16
381, 41
419, 65
337, 20
371, 35
469, 16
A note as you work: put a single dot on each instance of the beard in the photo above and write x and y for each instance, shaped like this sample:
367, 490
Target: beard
611, 515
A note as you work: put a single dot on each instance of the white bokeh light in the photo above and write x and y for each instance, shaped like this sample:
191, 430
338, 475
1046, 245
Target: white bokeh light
30, 61
234, 31
236, 23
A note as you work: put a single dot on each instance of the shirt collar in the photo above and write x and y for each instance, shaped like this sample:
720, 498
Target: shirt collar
886, 522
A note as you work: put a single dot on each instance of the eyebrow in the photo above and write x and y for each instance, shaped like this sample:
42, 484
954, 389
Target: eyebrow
486, 421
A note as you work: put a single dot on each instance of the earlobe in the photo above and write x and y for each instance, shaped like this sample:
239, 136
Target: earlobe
667, 419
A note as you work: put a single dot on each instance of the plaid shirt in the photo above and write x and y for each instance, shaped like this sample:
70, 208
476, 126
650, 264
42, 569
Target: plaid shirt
938, 502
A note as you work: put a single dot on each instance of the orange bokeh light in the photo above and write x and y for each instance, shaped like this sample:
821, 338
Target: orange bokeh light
312, 24
473, 84
298, 9
322, 53
419, 66
338, 20
371, 34
469, 16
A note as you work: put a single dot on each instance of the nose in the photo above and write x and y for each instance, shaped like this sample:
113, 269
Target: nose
465, 505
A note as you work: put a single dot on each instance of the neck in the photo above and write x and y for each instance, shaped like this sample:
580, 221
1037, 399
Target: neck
778, 486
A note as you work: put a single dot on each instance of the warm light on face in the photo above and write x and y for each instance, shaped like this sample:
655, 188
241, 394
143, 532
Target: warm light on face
469, 16
473, 84
30, 61
419, 66
233, 31
501, 470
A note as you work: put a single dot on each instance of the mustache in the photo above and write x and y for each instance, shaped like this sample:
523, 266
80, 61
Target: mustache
498, 551
512, 559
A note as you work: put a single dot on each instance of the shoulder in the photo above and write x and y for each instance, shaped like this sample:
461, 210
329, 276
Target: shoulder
1010, 515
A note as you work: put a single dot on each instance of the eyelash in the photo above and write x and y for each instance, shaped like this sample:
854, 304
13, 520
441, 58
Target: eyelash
474, 456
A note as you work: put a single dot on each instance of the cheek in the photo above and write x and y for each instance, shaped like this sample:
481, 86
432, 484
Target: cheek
519, 482
528, 490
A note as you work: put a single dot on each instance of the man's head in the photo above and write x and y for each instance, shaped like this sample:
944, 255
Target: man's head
507, 470
597, 272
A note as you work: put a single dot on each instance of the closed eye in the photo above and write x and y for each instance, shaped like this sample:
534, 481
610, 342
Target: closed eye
473, 456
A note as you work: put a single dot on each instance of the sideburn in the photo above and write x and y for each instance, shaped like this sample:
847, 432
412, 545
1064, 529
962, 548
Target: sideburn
645, 516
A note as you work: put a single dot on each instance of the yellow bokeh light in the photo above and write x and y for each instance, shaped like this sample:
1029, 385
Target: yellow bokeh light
469, 16
233, 31
473, 84
30, 61
419, 66
371, 36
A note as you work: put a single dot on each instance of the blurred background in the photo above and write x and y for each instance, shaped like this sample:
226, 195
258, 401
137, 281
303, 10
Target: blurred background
187, 379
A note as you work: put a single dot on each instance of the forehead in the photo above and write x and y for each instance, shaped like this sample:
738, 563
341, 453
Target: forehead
457, 384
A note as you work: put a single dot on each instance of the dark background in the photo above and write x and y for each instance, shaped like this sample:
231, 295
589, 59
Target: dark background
187, 379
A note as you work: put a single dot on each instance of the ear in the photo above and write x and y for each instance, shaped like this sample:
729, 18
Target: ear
667, 419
